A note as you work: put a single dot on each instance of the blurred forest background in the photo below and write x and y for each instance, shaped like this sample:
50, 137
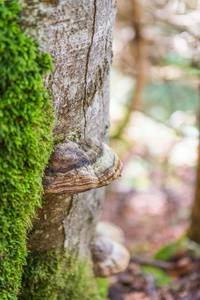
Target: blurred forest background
154, 111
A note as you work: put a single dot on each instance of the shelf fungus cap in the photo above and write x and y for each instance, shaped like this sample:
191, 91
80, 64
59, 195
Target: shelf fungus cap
80, 165
109, 257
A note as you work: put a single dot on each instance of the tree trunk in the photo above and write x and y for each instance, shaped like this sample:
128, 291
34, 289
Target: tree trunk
194, 230
78, 35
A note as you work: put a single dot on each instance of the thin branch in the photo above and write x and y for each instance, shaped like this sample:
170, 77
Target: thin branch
165, 265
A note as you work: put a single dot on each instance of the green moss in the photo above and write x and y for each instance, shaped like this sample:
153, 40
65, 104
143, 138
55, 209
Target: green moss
102, 286
25, 142
57, 276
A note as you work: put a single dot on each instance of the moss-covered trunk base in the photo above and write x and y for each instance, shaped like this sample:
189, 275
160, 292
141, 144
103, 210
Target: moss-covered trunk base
58, 276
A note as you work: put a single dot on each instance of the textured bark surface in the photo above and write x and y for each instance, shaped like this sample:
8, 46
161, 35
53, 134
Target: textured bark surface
78, 35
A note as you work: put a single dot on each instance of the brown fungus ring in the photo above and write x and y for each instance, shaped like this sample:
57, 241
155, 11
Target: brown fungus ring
80, 165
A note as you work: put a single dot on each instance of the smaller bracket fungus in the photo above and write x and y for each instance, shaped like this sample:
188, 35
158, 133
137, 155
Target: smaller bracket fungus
80, 165
109, 257
110, 230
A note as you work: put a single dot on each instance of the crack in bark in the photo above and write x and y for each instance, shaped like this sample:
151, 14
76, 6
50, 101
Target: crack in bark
70, 205
46, 222
64, 222
87, 64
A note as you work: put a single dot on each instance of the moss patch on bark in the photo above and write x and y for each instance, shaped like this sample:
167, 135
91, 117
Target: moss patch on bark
51, 275
26, 142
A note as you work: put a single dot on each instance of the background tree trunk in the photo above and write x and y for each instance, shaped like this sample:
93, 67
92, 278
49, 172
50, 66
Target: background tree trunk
194, 230
78, 35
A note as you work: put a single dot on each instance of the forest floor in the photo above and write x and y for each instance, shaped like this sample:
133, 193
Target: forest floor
164, 265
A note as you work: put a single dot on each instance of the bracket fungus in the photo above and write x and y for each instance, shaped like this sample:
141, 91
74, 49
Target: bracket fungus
109, 257
110, 230
80, 165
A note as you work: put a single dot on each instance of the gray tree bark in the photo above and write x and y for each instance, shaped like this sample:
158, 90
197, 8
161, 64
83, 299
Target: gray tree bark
78, 35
